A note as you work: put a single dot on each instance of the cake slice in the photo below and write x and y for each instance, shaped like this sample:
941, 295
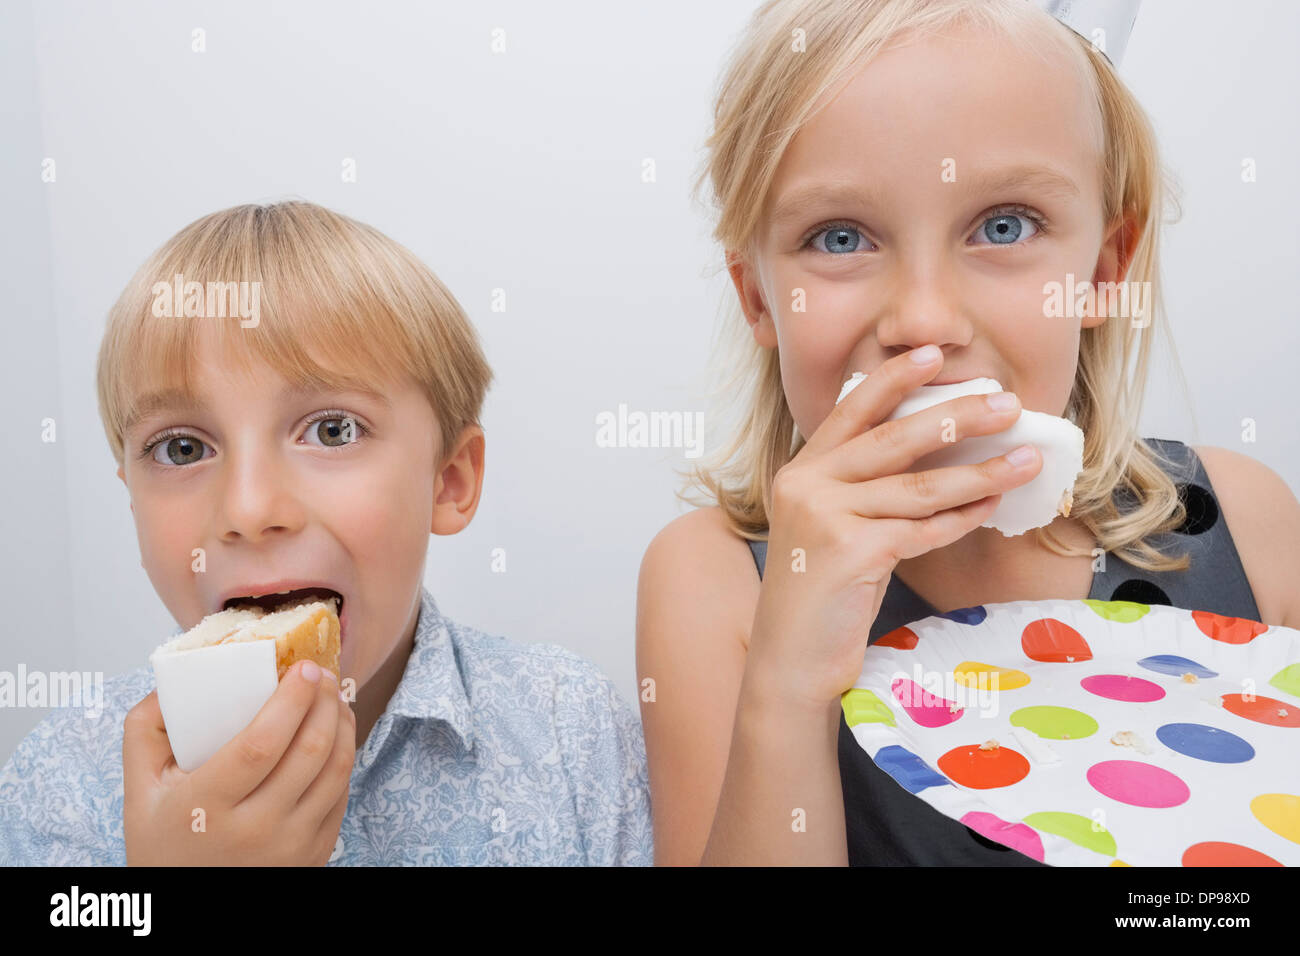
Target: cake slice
305, 631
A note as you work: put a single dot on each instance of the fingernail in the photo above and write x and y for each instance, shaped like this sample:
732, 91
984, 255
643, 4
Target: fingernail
311, 672
1000, 401
925, 355
1022, 455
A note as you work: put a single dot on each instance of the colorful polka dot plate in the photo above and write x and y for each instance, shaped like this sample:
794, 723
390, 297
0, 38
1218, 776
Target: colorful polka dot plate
1094, 733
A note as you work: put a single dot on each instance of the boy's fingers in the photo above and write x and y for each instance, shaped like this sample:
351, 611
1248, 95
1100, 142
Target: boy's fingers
241, 765
145, 747
308, 752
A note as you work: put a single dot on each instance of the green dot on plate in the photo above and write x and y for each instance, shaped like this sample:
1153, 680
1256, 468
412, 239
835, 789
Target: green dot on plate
1123, 612
1288, 680
1054, 723
862, 706
1075, 828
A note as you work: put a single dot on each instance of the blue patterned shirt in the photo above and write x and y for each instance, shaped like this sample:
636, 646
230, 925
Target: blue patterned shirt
489, 752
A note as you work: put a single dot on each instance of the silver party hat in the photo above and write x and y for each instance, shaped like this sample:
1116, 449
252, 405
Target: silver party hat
1113, 18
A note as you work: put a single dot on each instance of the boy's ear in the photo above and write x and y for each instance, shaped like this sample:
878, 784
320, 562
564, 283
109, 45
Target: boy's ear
1115, 257
745, 278
457, 486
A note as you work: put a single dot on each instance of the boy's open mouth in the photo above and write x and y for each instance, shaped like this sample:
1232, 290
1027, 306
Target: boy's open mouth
269, 602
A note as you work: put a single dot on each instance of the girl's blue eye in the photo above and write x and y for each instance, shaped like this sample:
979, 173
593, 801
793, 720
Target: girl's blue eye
837, 239
180, 450
1005, 228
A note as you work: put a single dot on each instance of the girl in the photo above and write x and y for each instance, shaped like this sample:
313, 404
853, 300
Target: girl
897, 182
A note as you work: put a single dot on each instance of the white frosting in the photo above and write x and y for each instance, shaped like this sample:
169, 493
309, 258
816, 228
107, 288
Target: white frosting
1036, 747
1030, 505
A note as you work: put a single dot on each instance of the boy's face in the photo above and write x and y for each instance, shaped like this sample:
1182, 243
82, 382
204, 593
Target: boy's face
262, 479
881, 224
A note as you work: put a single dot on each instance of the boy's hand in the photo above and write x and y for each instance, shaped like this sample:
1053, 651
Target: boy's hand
275, 795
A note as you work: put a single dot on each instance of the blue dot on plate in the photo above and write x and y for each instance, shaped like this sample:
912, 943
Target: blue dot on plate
1205, 743
1177, 666
967, 615
912, 773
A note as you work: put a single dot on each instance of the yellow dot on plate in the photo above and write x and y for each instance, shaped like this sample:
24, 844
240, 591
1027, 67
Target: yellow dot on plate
983, 676
1280, 812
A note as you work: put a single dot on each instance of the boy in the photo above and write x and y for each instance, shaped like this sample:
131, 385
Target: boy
292, 399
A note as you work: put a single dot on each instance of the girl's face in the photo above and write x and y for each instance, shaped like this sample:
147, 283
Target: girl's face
930, 202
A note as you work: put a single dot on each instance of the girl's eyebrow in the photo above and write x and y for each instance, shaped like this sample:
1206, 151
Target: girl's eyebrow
175, 399
1044, 179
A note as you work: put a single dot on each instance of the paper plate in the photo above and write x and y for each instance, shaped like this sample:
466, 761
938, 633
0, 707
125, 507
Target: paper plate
1127, 734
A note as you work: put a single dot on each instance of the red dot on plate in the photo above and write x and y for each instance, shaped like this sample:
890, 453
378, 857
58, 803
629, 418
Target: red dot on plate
902, 638
1051, 640
1263, 710
1229, 630
979, 769
1225, 854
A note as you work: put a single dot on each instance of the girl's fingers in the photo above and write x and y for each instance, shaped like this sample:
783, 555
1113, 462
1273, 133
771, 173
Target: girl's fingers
910, 538
874, 400
919, 494
891, 448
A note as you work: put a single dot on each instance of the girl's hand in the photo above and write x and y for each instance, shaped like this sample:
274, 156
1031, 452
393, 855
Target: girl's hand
847, 503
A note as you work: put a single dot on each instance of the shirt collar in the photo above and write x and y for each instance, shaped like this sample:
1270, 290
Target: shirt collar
432, 686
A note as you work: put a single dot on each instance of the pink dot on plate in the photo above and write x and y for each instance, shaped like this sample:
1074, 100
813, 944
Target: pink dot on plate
1018, 836
1137, 784
922, 706
1120, 687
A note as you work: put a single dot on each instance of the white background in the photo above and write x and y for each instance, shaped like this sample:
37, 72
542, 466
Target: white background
522, 171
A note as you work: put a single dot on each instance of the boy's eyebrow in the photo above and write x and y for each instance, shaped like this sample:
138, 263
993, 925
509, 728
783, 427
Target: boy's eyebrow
178, 399
1041, 178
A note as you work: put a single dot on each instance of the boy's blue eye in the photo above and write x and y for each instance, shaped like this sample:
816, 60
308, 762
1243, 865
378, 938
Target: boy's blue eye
333, 431
181, 450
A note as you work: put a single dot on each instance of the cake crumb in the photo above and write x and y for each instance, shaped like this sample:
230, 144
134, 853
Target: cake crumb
989, 745
1190, 678
1127, 738
1281, 711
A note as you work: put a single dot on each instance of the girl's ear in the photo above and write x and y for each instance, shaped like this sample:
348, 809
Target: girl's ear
745, 278
1115, 257
456, 488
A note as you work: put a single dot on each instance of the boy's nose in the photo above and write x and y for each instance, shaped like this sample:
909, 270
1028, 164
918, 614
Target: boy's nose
258, 497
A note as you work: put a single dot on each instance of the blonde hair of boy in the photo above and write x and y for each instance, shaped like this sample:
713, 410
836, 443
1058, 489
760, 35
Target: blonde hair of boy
767, 93
340, 304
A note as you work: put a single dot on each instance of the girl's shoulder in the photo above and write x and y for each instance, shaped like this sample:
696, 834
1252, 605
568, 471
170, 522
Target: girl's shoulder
698, 566
1263, 516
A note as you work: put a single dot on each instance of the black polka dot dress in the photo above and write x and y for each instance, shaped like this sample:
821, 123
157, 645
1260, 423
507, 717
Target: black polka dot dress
886, 824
